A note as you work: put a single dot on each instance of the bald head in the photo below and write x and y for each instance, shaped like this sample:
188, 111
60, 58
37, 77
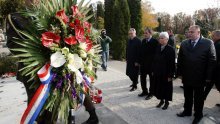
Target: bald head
216, 35
194, 32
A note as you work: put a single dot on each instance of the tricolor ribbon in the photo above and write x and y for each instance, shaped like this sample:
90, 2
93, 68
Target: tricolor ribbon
37, 102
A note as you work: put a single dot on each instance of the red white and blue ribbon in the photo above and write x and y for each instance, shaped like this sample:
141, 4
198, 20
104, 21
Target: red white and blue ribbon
37, 102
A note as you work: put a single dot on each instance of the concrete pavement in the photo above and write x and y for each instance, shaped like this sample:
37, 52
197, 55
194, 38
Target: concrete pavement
119, 106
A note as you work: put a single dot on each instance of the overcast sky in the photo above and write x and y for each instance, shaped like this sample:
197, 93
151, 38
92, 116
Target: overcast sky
175, 6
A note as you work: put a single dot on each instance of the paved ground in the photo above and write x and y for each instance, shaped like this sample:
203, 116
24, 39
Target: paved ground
119, 106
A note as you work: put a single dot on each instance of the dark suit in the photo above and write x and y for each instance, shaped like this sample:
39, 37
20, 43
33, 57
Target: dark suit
171, 41
148, 50
216, 73
132, 57
195, 65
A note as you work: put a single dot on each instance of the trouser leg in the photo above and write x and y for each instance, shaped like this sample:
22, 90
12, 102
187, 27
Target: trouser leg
151, 87
144, 82
104, 60
88, 103
198, 101
188, 94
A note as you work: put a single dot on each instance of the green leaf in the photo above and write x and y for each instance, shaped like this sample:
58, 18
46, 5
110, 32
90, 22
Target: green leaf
23, 55
30, 59
30, 36
81, 3
35, 63
87, 18
25, 71
33, 71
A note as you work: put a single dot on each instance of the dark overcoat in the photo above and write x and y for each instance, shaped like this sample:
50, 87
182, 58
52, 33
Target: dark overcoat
163, 68
133, 56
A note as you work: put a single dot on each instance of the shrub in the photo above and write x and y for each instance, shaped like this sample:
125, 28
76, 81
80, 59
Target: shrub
7, 63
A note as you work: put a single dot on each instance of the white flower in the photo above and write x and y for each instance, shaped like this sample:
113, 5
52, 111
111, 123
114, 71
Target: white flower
79, 77
83, 46
75, 61
92, 52
65, 51
57, 59
83, 54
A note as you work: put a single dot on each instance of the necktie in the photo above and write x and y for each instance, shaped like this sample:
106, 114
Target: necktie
193, 43
147, 40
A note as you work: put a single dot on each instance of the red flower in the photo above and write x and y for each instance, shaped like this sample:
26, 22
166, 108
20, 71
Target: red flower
75, 11
71, 40
79, 32
61, 14
89, 44
48, 38
87, 25
77, 22
72, 25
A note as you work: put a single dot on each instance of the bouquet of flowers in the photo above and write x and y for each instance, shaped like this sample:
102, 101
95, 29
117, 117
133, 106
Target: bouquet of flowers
59, 51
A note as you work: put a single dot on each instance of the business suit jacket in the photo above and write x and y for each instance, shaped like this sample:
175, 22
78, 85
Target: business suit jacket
196, 64
148, 51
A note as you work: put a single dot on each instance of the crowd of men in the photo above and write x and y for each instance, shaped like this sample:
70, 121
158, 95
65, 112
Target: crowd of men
198, 66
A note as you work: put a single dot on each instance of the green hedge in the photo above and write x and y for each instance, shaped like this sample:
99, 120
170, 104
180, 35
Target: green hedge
7, 64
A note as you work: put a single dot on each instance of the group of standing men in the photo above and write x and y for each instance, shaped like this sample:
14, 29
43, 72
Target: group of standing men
198, 66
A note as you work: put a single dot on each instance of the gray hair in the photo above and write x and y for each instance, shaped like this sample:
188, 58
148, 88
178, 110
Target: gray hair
164, 34
217, 33
196, 27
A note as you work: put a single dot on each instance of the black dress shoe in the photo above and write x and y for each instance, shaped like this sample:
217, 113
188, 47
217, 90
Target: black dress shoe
160, 104
183, 114
218, 105
165, 106
148, 97
133, 89
143, 94
197, 120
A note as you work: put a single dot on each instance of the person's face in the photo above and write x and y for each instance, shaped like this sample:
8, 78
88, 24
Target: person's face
215, 37
103, 33
193, 33
147, 34
163, 40
131, 34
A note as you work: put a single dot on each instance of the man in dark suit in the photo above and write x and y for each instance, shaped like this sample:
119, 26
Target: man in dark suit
196, 62
148, 50
216, 77
133, 58
171, 41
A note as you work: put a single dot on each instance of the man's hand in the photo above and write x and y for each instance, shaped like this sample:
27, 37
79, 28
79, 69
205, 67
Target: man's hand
180, 77
136, 64
169, 79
